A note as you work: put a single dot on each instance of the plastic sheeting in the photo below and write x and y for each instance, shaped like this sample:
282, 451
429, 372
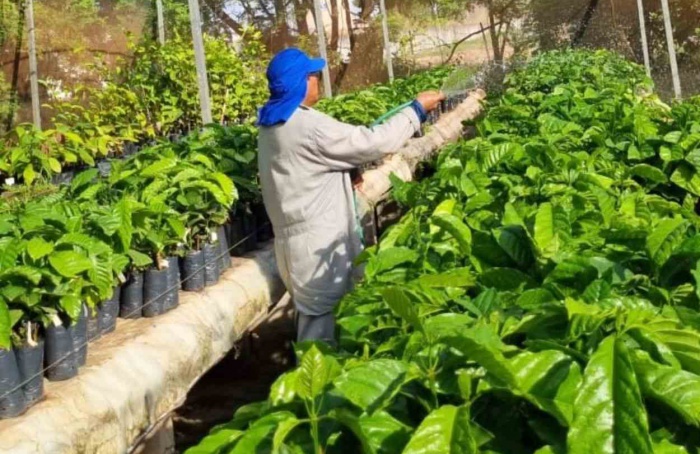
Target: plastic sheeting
138, 374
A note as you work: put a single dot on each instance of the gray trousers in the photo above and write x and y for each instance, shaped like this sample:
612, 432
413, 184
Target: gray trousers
311, 328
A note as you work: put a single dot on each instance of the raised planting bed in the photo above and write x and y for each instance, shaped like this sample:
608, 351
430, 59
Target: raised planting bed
136, 376
376, 184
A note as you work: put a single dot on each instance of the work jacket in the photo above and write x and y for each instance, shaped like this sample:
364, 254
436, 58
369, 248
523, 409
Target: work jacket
305, 167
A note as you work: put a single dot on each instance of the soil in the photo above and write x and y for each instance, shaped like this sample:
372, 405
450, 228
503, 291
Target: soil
242, 377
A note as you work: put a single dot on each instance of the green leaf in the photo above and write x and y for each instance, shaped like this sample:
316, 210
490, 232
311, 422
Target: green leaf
458, 277
159, 168
139, 259
665, 238
455, 227
482, 345
516, 243
609, 416
686, 177
315, 373
666, 447
219, 441
54, 165
402, 305
673, 137
387, 259
5, 326
258, 438
69, 263
226, 185
649, 173
71, 306
283, 430
596, 291
678, 389
545, 233
29, 175
446, 430
534, 298
506, 279
371, 385
383, 432
550, 380
38, 248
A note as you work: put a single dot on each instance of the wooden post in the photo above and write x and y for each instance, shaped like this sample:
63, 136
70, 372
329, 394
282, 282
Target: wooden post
643, 31
33, 72
200, 61
671, 49
321, 34
161, 22
387, 43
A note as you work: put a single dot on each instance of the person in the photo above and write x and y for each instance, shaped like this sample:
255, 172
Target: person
304, 159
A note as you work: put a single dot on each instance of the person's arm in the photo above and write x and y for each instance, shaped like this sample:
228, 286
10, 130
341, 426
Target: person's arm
343, 146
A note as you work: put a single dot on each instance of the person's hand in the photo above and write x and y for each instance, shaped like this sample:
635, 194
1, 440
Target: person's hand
430, 99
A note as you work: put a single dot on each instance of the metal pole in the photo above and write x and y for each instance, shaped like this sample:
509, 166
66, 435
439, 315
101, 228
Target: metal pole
321, 34
161, 22
200, 61
33, 72
671, 49
643, 30
387, 44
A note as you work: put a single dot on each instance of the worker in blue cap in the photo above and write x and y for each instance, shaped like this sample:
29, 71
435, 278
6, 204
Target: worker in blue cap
305, 159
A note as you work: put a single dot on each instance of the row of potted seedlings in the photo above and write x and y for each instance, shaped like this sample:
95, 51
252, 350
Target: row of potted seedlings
62, 350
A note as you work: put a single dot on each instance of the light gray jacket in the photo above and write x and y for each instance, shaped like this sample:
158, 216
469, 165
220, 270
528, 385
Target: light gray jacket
304, 169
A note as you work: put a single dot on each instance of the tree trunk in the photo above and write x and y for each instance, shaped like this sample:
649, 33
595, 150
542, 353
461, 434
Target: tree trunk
494, 34
224, 17
281, 19
335, 25
300, 10
348, 22
343, 70
14, 84
585, 21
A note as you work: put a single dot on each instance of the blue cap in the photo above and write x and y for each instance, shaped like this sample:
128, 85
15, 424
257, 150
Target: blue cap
286, 76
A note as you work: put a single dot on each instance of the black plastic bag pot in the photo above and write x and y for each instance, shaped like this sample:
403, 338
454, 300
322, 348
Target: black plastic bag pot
193, 271
155, 290
104, 167
30, 361
263, 224
211, 264
109, 311
250, 229
131, 301
224, 253
59, 354
172, 299
237, 236
12, 401
80, 336
93, 324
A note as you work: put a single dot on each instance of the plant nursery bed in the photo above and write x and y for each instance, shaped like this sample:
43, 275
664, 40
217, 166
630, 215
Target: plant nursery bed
135, 377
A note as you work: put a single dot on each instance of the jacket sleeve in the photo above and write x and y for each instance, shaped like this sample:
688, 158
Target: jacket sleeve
343, 146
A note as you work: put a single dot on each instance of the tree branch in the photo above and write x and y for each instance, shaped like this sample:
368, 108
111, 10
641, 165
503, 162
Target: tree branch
456, 44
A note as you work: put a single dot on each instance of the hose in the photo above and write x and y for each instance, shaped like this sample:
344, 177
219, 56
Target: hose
391, 113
